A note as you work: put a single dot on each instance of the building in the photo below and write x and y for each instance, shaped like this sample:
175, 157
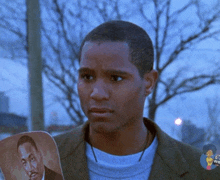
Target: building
4, 103
12, 123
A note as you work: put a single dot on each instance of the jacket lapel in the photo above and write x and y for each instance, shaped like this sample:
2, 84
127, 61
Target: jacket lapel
73, 158
169, 162
75, 165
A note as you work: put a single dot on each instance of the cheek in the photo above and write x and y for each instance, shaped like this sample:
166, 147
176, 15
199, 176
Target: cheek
134, 103
35, 164
25, 167
83, 94
79, 87
131, 97
81, 91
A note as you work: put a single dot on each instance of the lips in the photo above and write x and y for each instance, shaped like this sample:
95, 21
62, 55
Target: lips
33, 175
100, 110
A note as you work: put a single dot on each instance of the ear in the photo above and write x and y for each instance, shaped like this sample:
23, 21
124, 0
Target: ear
150, 79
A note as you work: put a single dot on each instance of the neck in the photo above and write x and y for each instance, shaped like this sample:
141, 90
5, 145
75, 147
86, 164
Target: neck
122, 142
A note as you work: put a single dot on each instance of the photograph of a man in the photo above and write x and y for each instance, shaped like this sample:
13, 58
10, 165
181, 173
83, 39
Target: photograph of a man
32, 160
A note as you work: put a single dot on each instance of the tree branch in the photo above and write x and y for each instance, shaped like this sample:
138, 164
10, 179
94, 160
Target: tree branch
190, 85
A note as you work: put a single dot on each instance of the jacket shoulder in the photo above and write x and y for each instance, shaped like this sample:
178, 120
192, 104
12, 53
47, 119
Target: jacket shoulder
68, 141
189, 152
177, 159
192, 156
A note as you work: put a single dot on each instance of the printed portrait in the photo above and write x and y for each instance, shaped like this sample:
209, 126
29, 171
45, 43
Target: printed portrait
30, 156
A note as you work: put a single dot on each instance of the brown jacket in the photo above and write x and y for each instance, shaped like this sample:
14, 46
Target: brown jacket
173, 159
52, 175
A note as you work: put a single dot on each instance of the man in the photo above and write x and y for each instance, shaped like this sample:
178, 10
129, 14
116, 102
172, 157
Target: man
115, 77
32, 160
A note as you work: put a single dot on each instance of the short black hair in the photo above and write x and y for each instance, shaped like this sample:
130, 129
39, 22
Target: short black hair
208, 147
24, 139
140, 45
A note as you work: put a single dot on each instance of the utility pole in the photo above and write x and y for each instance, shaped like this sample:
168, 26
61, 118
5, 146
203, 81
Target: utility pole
35, 65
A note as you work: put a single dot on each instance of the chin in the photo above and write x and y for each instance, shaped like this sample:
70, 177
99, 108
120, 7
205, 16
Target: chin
103, 127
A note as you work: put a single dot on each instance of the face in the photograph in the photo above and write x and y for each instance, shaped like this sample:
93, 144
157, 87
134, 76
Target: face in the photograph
111, 91
31, 160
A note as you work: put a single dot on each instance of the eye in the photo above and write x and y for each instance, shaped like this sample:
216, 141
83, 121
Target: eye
116, 78
87, 77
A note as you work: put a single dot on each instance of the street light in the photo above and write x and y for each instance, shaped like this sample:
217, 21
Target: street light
178, 121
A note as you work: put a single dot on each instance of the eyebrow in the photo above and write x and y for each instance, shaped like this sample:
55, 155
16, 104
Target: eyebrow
108, 71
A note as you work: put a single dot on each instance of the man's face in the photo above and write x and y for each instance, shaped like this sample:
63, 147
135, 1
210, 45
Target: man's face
111, 92
31, 160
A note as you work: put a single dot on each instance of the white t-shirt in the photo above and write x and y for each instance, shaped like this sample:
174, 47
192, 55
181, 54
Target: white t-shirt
126, 167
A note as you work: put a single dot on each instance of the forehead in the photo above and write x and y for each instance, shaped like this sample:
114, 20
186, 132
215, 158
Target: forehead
106, 50
104, 55
26, 149
116, 46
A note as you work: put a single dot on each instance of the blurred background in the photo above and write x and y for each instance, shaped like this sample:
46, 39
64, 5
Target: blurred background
186, 35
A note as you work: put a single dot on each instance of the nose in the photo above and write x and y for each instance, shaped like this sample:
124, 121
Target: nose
100, 91
29, 167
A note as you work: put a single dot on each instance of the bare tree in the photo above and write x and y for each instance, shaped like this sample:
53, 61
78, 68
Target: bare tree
62, 53
174, 36
13, 29
170, 28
